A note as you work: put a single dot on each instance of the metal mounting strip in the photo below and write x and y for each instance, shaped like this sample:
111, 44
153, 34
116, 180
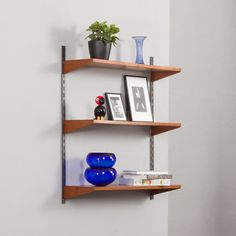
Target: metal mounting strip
63, 115
151, 141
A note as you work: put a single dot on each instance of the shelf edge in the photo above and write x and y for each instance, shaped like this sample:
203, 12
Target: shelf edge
157, 72
76, 191
156, 127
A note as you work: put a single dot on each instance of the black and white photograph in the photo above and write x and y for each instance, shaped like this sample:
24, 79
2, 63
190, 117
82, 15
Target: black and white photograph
116, 109
138, 98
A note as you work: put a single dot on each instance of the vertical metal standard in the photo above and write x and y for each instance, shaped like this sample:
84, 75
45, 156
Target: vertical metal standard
151, 158
63, 115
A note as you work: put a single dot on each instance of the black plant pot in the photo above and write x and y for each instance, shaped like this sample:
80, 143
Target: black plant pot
99, 49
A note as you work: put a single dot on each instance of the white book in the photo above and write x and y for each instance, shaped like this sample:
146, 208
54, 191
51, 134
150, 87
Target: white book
128, 176
131, 182
150, 172
160, 176
139, 182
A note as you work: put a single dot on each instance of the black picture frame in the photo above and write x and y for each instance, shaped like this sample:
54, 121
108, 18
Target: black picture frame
115, 106
137, 98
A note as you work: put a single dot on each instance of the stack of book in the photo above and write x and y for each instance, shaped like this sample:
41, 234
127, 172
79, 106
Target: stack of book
145, 178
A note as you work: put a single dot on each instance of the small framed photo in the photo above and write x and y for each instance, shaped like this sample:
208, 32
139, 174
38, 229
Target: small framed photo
138, 99
115, 106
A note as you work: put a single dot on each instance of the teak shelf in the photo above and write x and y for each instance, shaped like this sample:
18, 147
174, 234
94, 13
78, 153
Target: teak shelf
76, 191
156, 127
157, 72
69, 126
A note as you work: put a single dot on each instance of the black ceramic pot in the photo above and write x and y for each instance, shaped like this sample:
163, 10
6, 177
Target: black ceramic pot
99, 49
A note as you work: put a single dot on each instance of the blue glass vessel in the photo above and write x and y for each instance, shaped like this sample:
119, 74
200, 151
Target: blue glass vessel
139, 48
101, 160
100, 177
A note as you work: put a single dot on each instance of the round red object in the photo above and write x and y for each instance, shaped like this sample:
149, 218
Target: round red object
100, 100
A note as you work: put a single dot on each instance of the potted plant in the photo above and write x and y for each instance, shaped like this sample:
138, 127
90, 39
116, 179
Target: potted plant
102, 37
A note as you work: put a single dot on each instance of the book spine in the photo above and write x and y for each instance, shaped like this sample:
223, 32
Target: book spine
134, 176
126, 176
127, 172
145, 182
164, 176
131, 182
158, 182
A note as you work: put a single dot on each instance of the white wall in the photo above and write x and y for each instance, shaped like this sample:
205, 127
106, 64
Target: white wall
203, 97
31, 35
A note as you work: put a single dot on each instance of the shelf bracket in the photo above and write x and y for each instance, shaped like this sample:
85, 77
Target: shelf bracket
63, 116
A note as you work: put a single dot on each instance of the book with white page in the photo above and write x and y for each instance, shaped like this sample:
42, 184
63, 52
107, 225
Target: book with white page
150, 172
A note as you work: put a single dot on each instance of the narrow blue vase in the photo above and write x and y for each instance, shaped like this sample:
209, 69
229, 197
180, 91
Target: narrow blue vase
139, 48
100, 176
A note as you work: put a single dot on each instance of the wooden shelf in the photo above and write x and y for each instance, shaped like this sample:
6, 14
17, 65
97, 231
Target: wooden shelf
156, 127
157, 72
76, 191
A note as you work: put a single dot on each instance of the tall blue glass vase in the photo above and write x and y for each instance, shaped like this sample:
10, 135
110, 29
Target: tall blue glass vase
139, 48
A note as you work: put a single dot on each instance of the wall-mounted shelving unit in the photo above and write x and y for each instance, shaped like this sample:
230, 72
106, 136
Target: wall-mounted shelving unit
68, 126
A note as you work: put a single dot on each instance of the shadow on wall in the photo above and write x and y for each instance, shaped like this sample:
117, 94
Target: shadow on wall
76, 46
75, 42
75, 172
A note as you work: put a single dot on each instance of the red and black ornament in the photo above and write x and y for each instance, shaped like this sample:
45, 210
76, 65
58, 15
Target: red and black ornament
100, 110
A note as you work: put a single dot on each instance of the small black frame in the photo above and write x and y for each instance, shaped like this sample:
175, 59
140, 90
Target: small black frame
115, 106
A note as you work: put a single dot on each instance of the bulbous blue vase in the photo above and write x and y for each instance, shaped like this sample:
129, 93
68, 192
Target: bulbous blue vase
101, 160
100, 172
100, 176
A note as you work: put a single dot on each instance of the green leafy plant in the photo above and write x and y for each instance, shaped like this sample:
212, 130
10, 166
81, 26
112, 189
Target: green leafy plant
104, 32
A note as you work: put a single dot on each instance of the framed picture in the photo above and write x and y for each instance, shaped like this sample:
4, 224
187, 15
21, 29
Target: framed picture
115, 106
137, 96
